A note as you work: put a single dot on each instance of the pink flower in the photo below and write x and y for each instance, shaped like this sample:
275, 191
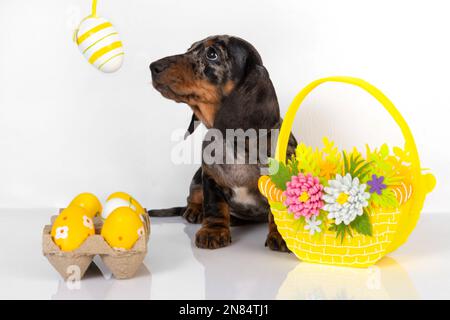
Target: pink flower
303, 196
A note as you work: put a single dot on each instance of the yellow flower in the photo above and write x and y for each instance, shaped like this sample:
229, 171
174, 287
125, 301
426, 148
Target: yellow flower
304, 197
327, 169
342, 198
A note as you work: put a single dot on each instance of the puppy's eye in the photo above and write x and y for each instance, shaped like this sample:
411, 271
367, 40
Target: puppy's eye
211, 54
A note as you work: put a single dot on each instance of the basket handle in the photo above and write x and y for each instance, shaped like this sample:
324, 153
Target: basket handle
410, 145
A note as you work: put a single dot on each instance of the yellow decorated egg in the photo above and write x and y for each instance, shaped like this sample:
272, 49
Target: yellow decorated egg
122, 228
117, 198
115, 203
71, 228
89, 202
100, 44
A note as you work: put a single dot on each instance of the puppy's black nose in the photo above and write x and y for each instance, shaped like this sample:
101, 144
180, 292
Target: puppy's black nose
158, 66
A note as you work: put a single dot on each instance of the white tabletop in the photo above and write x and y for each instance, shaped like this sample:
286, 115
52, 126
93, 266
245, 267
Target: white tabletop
175, 269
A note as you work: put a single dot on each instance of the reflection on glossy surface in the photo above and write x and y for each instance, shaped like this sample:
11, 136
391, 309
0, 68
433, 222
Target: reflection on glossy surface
244, 270
98, 283
386, 280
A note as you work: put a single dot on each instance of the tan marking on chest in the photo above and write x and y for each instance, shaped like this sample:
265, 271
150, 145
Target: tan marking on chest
241, 195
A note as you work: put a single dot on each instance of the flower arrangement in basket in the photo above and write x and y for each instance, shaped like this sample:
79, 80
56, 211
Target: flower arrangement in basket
345, 207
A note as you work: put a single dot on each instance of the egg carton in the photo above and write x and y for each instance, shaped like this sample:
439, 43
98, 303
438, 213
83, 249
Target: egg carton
122, 264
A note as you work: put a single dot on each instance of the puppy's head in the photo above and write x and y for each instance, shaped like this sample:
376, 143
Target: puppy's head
206, 74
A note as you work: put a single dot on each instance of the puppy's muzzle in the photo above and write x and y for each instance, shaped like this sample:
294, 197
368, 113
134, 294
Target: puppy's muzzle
158, 67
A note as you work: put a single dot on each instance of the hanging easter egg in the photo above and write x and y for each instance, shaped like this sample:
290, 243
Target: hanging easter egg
100, 44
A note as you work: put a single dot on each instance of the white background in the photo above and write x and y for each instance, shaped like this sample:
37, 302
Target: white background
67, 128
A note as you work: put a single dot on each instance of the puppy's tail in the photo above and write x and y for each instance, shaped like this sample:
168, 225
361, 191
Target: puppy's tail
171, 212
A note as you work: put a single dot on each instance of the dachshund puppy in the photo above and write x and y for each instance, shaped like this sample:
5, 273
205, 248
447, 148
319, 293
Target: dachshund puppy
223, 80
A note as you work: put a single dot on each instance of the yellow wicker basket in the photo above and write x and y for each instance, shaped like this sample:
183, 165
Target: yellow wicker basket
390, 226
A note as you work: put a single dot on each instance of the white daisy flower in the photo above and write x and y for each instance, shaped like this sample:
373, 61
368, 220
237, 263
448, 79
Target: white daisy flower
141, 231
312, 224
87, 222
345, 199
62, 232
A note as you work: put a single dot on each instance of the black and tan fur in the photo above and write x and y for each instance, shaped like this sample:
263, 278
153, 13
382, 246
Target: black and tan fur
224, 82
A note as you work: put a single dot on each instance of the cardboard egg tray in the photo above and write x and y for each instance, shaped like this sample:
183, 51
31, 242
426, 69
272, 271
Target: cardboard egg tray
122, 264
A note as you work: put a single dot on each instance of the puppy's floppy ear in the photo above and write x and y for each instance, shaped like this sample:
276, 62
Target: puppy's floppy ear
245, 57
253, 102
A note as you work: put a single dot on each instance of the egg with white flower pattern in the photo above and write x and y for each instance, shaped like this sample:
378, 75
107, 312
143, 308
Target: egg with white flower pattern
122, 228
71, 228
100, 44
89, 202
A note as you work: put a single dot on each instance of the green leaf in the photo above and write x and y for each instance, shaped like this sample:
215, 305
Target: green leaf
362, 224
390, 199
351, 163
362, 171
341, 230
279, 173
346, 166
293, 165
355, 162
387, 199
384, 151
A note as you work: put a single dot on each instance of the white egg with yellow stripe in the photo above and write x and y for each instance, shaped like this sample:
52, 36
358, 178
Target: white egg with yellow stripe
100, 43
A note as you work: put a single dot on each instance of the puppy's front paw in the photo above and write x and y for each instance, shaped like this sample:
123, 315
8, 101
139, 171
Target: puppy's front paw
213, 238
276, 242
193, 213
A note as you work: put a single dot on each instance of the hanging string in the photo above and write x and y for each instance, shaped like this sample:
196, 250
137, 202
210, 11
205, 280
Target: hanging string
93, 14
94, 8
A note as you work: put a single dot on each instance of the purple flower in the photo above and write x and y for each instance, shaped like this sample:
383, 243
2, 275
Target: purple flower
376, 184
